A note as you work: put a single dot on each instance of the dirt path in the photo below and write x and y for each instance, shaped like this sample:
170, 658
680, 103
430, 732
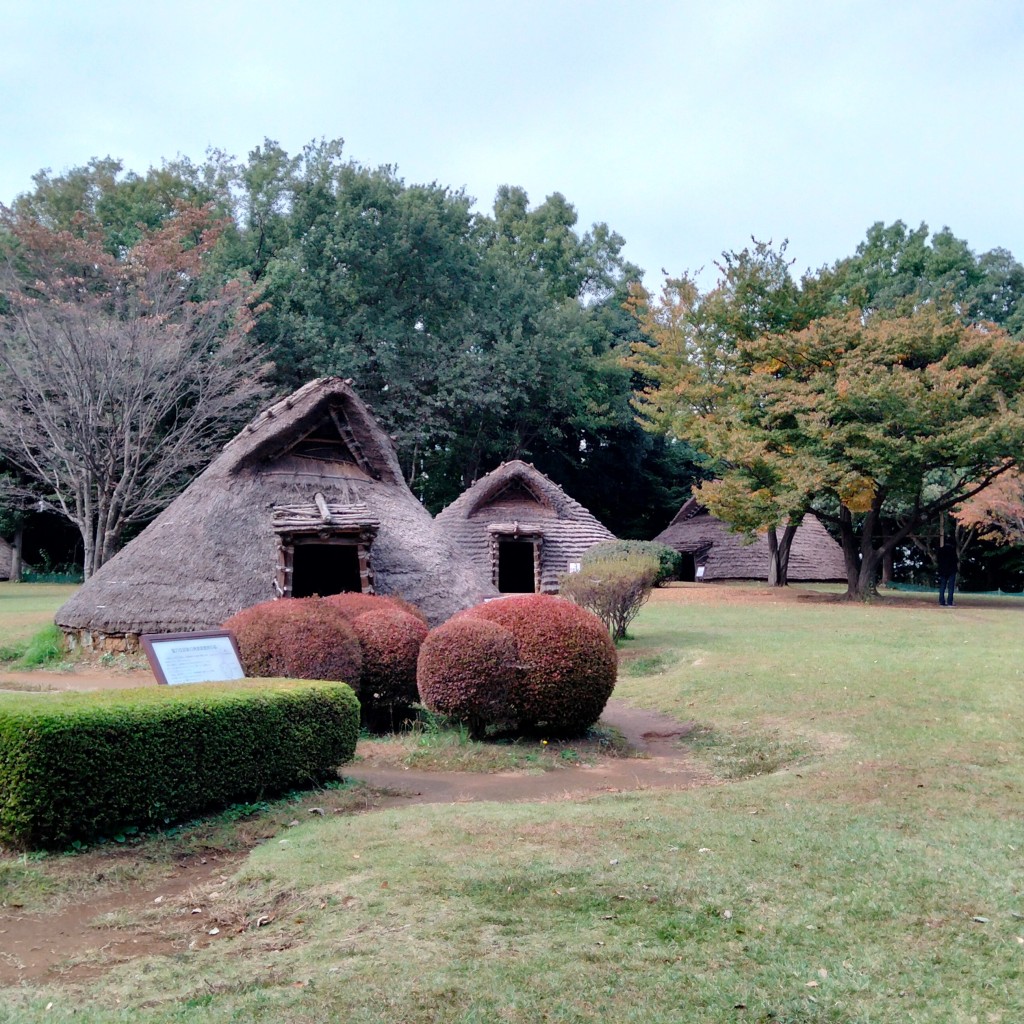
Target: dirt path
653, 736
36, 948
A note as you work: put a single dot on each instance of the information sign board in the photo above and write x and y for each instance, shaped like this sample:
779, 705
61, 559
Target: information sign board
193, 657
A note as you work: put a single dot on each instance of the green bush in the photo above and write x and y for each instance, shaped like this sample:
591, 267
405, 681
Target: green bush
390, 641
80, 765
614, 589
467, 670
297, 638
567, 661
668, 559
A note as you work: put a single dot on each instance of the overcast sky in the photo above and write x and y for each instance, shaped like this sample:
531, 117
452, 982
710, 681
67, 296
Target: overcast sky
686, 126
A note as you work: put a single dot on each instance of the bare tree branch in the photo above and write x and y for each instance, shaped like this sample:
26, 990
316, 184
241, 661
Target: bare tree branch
118, 377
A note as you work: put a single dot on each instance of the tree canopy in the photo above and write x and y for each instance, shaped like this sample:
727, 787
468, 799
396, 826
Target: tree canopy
119, 375
866, 392
874, 419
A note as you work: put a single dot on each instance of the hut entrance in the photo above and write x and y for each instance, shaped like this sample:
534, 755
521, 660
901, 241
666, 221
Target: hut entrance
325, 569
324, 548
515, 559
687, 567
515, 567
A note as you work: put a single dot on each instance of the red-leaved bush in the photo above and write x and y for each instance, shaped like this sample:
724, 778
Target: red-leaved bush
390, 640
353, 605
467, 670
567, 662
297, 638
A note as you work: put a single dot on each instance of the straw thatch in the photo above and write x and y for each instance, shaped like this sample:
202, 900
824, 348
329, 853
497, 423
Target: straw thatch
6, 559
518, 502
814, 557
314, 469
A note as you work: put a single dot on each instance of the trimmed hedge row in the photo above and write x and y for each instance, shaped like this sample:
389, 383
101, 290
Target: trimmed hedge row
80, 765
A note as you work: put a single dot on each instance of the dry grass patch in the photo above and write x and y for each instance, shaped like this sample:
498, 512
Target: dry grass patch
435, 745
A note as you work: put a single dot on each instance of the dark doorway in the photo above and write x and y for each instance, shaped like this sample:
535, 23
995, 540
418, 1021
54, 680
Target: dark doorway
515, 567
325, 569
687, 569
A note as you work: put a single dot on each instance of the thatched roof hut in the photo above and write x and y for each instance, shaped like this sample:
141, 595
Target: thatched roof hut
713, 552
6, 559
307, 499
520, 529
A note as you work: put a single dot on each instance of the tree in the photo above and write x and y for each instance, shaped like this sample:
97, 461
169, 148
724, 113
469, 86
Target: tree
896, 268
477, 337
997, 512
689, 365
16, 504
119, 376
879, 424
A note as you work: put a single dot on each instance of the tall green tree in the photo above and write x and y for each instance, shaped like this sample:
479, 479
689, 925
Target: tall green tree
896, 267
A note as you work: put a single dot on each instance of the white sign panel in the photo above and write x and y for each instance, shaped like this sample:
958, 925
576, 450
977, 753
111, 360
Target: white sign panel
193, 657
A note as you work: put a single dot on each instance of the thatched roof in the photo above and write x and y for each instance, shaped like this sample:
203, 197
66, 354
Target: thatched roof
315, 463
518, 500
6, 557
814, 557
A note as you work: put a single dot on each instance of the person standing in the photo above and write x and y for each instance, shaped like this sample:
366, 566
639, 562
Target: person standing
948, 566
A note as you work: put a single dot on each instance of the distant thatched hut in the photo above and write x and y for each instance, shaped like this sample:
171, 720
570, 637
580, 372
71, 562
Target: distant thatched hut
307, 499
6, 559
520, 529
711, 551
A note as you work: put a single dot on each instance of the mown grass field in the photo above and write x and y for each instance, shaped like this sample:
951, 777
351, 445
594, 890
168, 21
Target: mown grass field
25, 609
872, 872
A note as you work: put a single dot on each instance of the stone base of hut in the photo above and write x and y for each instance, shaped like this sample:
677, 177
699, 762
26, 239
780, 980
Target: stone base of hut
101, 643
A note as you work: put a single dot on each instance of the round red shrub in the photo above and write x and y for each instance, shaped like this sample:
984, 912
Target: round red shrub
567, 661
390, 641
466, 670
300, 638
353, 605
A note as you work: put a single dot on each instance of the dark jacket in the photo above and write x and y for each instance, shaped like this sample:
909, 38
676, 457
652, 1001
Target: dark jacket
948, 563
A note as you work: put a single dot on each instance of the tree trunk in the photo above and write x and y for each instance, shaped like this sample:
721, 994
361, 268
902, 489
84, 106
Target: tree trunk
778, 555
785, 547
888, 568
19, 538
861, 559
867, 576
774, 571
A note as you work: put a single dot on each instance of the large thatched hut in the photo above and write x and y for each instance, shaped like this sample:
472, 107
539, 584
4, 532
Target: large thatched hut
307, 499
711, 551
520, 529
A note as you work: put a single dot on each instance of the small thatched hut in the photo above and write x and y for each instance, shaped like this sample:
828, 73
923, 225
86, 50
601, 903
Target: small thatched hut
711, 551
307, 499
6, 559
520, 529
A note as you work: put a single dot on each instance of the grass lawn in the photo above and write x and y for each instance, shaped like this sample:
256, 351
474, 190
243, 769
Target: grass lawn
862, 861
26, 608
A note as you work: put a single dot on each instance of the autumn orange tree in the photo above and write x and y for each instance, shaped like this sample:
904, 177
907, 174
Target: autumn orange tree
690, 366
877, 424
997, 512
119, 374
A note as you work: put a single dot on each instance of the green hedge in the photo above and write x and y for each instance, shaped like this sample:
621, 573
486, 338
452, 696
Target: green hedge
80, 765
